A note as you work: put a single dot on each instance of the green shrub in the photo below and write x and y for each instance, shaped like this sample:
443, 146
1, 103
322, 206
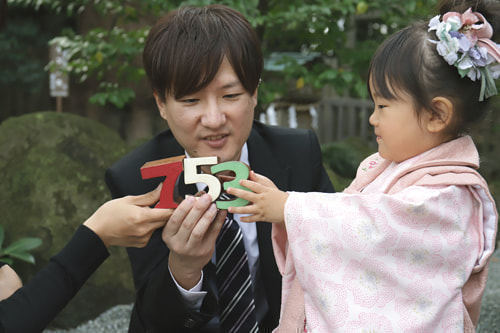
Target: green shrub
19, 249
344, 157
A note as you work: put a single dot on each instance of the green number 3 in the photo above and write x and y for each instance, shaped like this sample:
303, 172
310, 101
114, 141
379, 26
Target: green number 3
241, 171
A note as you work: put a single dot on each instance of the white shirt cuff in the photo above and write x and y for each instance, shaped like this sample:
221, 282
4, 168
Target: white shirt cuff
194, 296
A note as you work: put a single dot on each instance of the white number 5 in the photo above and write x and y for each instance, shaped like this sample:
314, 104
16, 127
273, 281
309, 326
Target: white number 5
191, 175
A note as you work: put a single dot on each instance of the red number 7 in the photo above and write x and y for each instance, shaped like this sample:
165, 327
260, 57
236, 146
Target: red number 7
169, 167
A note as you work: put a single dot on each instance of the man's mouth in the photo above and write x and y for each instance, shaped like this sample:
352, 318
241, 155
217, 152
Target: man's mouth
215, 137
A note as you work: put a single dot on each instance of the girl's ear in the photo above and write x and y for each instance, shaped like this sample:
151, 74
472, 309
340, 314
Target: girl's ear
442, 115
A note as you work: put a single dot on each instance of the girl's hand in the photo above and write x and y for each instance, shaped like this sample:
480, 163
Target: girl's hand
267, 201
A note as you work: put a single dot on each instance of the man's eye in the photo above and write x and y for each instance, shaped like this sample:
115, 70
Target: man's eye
189, 101
231, 96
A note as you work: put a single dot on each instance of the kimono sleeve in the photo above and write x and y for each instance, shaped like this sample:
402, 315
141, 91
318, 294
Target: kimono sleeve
370, 258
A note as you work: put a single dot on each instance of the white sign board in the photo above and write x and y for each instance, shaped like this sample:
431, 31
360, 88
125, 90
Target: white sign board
59, 81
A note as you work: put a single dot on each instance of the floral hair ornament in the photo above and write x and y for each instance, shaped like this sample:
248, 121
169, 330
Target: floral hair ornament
464, 41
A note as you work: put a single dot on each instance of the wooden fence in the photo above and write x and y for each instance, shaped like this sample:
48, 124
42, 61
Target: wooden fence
333, 119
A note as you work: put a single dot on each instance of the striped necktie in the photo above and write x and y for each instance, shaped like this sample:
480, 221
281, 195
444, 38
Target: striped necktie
236, 303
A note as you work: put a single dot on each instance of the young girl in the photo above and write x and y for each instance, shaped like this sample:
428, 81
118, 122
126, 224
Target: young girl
405, 247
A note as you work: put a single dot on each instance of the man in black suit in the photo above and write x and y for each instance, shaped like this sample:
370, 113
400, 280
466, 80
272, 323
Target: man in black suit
204, 65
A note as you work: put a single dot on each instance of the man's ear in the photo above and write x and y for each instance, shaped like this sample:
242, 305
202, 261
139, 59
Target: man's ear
442, 115
254, 96
161, 105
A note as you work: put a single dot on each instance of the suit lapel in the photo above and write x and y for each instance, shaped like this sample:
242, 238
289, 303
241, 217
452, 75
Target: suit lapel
264, 162
168, 146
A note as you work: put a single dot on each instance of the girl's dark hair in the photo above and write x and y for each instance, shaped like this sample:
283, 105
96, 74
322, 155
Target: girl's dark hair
184, 50
408, 63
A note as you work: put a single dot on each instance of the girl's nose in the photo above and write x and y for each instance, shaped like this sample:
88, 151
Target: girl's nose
373, 118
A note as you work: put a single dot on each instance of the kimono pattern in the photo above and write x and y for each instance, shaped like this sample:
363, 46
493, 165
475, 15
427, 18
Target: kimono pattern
404, 248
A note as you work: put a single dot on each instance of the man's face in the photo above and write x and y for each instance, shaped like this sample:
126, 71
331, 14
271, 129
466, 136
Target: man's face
215, 121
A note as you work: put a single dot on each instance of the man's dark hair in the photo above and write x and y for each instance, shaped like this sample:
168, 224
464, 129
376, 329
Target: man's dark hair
184, 50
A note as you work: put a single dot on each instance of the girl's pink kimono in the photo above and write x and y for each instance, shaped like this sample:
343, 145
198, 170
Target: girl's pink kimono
404, 248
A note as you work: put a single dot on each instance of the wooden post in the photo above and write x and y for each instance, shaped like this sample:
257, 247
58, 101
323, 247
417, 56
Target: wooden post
59, 104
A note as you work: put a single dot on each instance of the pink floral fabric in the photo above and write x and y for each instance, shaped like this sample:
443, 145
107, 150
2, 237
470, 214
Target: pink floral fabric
396, 252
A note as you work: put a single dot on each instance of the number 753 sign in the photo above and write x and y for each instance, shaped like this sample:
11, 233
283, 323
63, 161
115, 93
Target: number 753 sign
171, 168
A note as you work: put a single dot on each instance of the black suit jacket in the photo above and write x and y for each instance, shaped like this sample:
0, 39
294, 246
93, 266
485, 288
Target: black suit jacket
291, 158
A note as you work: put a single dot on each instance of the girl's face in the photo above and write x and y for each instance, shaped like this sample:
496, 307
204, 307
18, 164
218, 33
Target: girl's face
400, 133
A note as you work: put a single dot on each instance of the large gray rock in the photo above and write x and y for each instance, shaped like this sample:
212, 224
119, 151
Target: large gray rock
51, 179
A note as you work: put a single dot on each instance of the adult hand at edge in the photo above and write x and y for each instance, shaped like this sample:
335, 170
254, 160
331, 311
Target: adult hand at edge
9, 282
129, 221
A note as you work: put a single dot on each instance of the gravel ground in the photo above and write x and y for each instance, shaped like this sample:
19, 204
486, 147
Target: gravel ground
115, 320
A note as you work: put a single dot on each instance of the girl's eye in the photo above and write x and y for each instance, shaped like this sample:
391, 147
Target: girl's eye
381, 106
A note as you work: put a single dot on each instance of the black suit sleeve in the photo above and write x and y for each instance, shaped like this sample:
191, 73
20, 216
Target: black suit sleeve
32, 307
159, 304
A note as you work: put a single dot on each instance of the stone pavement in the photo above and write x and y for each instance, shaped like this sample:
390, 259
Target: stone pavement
489, 321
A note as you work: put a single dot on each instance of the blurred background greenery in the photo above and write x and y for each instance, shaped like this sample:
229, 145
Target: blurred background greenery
314, 50
104, 39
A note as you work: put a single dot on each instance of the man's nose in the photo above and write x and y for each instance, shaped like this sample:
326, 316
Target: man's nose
213, 115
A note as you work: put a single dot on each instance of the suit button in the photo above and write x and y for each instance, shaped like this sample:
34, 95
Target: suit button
190, 323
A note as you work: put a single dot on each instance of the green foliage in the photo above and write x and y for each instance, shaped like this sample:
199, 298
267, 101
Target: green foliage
21, 63
339, 183
113, 94
344, 32
19, 249
343, 157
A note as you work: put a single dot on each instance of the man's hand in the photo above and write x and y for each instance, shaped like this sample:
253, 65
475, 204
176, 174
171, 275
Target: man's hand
190, 234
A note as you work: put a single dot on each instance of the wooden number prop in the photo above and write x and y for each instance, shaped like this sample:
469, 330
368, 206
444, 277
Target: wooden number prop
191, 175
241, 171
170, 168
